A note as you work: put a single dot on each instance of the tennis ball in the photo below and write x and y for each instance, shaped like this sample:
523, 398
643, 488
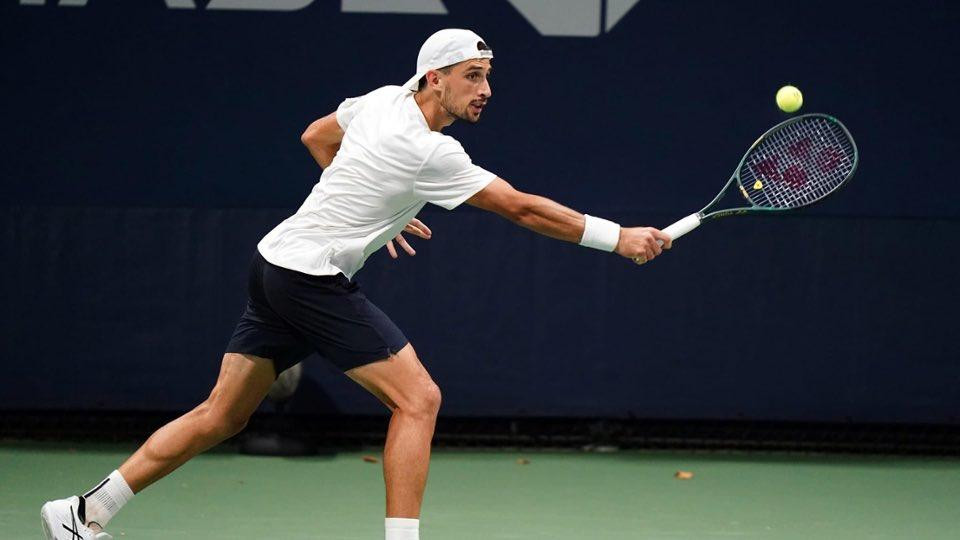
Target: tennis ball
789, 99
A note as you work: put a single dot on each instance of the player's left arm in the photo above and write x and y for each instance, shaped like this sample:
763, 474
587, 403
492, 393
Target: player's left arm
322, 138
416, 228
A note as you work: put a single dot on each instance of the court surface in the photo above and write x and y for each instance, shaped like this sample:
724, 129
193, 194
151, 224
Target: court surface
485, 495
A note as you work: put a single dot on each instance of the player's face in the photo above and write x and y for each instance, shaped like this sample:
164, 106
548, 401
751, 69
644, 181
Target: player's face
466, 89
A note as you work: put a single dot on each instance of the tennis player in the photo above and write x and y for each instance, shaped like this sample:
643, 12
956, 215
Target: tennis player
384, 158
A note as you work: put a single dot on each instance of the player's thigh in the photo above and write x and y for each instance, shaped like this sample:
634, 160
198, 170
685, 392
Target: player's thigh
399, 380
243, 382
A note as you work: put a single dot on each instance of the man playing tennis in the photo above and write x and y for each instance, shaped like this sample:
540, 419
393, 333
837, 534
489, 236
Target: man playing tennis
384, 158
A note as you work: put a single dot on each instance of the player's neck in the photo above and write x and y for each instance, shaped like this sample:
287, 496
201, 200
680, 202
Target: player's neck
436, 116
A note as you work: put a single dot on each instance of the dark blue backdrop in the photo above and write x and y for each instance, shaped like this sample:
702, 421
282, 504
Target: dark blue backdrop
145, 150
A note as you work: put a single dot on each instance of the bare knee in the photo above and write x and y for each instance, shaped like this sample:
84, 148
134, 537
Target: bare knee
218, 423
423, 402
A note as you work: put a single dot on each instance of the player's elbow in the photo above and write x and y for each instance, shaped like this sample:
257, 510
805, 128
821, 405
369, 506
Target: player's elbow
323, 132
501, 198
309, 135
316, 134
519, 209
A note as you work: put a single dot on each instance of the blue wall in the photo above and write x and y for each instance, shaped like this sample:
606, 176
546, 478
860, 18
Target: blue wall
145, 150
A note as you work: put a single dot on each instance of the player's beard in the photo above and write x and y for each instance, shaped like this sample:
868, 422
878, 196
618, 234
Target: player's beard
457, 112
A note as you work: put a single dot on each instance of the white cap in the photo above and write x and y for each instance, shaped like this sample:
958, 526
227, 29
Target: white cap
445, 48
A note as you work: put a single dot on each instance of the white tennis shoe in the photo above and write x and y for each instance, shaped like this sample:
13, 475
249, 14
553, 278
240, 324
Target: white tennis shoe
61, 520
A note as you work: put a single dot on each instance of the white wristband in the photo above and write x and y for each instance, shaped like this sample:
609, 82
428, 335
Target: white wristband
599, 233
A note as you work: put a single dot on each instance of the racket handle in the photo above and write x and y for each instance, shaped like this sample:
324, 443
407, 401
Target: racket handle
683, 226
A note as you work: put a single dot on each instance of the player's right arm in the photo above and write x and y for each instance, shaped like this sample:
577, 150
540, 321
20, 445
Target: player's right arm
552, 219
322, 138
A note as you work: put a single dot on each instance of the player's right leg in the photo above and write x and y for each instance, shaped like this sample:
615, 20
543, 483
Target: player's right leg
403, 384
243, 382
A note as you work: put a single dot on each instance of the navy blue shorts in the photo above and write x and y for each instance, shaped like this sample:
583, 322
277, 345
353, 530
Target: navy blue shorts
290, 314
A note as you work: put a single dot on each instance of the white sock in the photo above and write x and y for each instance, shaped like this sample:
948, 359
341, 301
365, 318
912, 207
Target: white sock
402, 529
106, 499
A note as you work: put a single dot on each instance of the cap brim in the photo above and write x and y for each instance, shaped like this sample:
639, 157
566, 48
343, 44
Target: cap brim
414, 82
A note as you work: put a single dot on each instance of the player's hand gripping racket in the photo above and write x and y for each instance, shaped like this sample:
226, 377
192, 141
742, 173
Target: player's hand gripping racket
796, 163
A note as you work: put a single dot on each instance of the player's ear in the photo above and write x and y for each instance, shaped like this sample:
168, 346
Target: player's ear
434, 78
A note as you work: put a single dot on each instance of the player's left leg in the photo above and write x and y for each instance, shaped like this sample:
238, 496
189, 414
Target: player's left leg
243, 382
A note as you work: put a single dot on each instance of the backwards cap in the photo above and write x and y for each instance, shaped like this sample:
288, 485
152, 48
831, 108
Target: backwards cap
445, 48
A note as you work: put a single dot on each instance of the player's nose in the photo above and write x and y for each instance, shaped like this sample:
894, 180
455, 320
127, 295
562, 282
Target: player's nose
485, 90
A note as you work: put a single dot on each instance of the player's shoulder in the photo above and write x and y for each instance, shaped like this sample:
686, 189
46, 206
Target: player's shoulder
380, 99
393, 89
376, 102
387, 92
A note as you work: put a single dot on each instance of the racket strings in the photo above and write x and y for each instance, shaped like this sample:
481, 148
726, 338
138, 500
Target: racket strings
798, 164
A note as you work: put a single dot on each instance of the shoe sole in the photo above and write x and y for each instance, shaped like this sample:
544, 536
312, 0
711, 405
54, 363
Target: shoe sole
43, 522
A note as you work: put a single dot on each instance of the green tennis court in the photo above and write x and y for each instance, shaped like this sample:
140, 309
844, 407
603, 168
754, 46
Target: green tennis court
481, 495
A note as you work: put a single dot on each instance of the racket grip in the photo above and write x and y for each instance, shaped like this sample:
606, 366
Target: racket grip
683, 226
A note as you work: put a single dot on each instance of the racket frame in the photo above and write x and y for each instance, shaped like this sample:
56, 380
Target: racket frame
687, 224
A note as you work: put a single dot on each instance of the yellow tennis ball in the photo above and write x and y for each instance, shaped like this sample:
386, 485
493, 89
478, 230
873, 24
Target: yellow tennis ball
789, 99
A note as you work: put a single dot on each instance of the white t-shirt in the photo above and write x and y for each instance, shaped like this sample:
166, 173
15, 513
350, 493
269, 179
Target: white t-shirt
390, 164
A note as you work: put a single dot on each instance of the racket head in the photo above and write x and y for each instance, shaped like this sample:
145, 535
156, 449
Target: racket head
797, 163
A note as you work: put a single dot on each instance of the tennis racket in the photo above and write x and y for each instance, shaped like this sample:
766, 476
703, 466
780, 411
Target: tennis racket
796, 163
